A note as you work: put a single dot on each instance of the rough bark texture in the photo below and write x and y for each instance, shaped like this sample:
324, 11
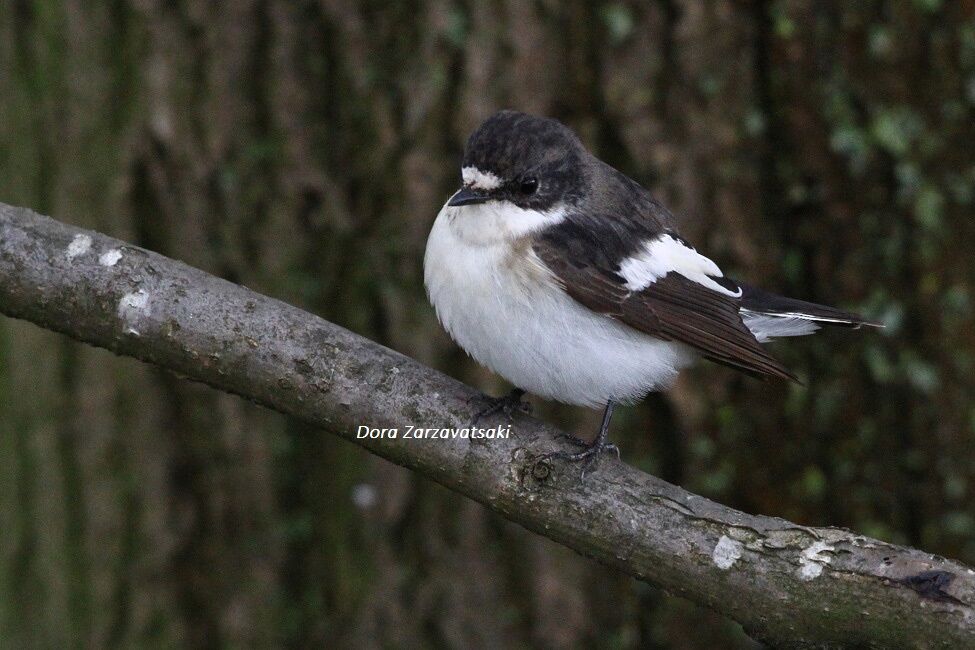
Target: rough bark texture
789, 585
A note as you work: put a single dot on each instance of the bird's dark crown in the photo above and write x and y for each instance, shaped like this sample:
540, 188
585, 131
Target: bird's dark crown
539, 160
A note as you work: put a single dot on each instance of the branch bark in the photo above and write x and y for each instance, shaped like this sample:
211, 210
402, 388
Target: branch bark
789, 585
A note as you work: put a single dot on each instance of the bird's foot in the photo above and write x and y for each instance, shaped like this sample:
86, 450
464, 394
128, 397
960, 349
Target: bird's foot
579, 442
588, 454
508, 404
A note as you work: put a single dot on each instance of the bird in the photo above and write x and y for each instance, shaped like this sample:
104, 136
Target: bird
572, 282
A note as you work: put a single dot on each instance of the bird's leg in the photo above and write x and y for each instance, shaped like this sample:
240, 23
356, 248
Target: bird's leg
590, 451
508, 404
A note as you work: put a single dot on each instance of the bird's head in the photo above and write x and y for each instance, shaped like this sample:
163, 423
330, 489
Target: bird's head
531, 162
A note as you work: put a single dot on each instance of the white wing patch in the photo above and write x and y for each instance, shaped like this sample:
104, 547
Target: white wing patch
479, 180
667, 254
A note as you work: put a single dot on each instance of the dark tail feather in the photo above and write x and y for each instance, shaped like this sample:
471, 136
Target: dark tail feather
762, 302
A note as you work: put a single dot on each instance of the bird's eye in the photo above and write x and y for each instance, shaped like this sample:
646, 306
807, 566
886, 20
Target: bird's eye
528, 186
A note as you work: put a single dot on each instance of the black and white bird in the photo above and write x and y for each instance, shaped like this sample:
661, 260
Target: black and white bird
570, 280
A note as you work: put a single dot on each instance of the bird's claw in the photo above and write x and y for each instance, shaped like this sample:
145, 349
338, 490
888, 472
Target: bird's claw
589, 455
579, 442
508, 404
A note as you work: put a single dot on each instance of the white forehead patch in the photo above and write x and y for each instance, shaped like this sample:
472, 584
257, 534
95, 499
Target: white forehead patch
480, 180
667, 254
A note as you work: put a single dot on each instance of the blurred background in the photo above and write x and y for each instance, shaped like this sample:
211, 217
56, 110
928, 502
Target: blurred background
823, 150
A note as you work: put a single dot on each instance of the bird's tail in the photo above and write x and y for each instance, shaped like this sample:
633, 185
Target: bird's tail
770, 316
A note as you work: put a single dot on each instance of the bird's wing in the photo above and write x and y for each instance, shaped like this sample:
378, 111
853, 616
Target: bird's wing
662, 287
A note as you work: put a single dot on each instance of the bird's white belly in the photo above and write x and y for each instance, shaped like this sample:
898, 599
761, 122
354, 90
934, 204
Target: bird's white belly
501, 305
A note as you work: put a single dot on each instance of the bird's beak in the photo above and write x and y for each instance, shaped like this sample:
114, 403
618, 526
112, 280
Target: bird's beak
466, 196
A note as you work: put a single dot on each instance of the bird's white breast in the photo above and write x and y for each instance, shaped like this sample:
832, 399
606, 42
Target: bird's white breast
503, 306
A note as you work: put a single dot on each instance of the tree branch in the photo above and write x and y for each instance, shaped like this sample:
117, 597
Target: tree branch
787, 584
